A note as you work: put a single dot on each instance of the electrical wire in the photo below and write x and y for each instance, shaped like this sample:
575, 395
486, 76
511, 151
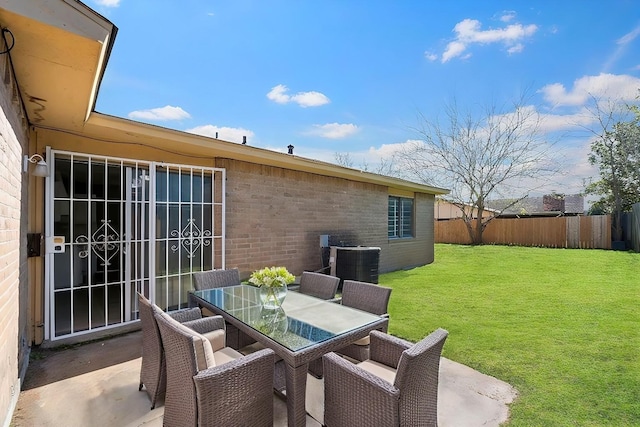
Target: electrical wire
13, 41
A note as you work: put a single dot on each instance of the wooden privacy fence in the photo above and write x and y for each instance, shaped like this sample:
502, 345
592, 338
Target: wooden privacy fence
586, 232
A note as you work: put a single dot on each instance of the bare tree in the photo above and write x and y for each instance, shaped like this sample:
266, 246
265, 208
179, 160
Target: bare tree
494, 154
386, 166
343, 159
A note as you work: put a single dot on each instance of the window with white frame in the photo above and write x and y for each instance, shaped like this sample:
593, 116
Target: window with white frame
400, 217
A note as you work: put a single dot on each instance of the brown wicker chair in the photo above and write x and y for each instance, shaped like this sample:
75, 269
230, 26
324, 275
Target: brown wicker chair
219, 279
367, 297
319, 285
215, 279
209, 386
397, 386
153, 371
363, 296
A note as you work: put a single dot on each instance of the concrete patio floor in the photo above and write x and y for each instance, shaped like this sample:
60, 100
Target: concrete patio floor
97, 384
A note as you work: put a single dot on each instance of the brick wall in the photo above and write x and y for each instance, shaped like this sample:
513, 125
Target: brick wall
275, 216
13, 227
407, 253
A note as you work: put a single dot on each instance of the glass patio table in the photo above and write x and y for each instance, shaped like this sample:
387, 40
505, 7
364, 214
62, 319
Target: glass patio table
303, 329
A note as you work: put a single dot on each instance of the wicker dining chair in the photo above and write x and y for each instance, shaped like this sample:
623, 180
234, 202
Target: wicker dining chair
319, 285
213, 385
219, 279
397, 386
363, 296
153, 370
215, 278
366, 297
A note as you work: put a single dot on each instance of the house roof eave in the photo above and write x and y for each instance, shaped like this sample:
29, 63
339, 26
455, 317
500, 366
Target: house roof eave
60, 52
106, 127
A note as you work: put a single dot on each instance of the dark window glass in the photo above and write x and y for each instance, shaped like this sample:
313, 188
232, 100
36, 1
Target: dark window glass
406, 218
400, 222
97, 180
80, 180
62, 188
114, 182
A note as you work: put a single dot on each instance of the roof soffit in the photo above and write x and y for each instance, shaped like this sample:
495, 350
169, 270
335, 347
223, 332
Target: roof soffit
58, 56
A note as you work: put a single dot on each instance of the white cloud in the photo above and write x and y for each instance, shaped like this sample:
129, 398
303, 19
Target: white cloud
310, 99
619, 87
160, 114
279, 95
515, 48
629, 37
333, 130
223, 133
469, 32
453, 49
622, 43
430, 56
508, 16
559, 122
108, 3
387, 151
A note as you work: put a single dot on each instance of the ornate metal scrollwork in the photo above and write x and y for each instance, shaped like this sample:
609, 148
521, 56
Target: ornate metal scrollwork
191, 238
103, 243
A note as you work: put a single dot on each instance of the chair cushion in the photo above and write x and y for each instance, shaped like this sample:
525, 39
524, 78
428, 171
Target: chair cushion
252, 348
226, 354
363, 341
206, 312
216, 338
201, 344
379, 370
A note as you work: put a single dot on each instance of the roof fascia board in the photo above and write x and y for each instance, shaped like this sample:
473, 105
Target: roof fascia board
105, 53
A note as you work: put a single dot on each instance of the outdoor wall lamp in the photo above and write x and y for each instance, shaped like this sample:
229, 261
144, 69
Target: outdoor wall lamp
41, 169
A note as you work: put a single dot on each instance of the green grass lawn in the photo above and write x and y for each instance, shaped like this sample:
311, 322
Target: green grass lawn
560, 325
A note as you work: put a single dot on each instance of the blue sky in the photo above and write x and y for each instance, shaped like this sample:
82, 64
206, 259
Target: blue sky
351, 76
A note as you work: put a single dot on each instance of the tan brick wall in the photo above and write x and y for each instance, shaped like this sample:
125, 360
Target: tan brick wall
13, 227
275, 217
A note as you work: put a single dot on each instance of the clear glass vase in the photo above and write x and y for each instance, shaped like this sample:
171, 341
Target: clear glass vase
273, 322
272, 298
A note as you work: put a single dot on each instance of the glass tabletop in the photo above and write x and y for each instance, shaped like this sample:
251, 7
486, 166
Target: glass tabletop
302, 320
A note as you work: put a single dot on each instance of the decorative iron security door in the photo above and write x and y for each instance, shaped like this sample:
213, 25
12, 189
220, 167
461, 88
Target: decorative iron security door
116, 227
